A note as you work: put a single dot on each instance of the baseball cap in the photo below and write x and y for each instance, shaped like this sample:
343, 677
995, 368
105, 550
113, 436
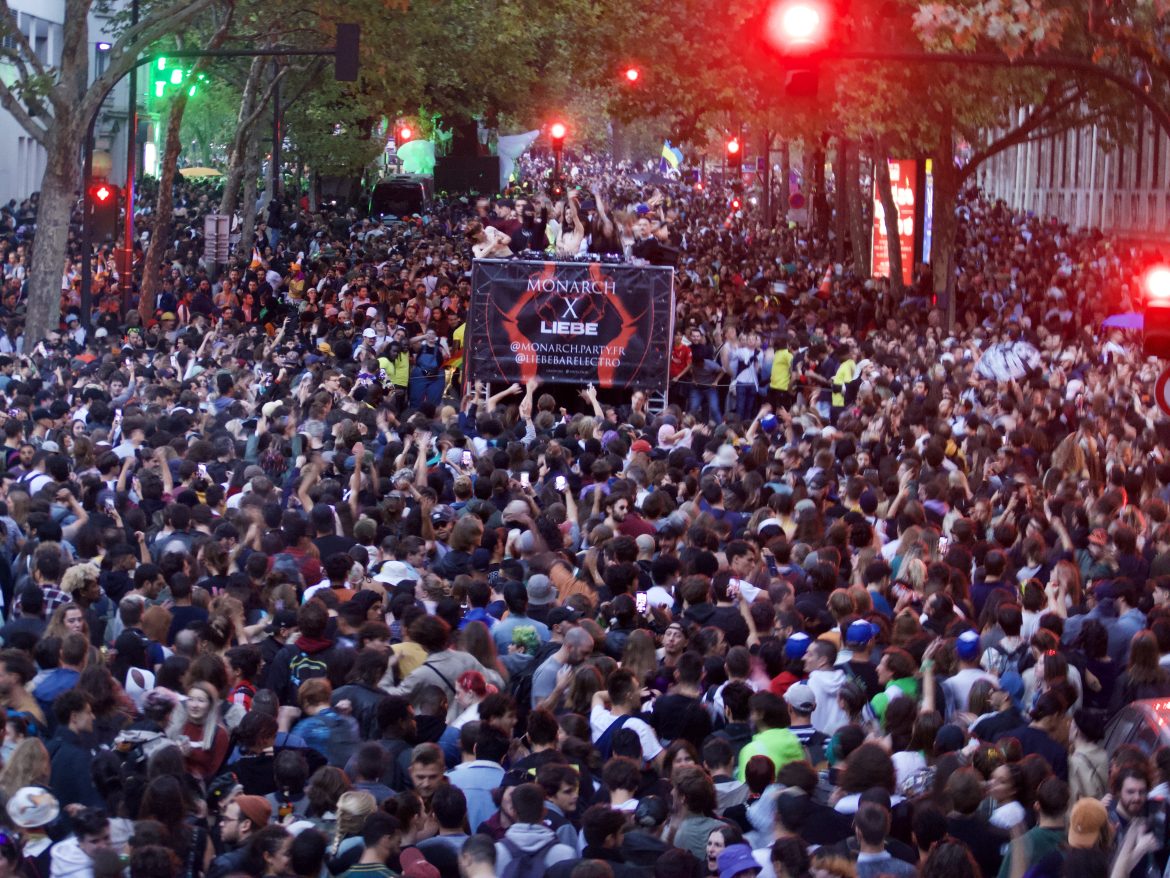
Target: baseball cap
641, 445
736, 858
1085, 822
282, 619
801, 698
369, 333
796, 646
415, 865
967, 645
33, 807
256, 809
557, 615
860, 632
540, 590
651, 811
442, 513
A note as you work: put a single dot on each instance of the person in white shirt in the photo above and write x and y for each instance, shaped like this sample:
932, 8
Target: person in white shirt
488, 242
825, 681
957, 688
622, 704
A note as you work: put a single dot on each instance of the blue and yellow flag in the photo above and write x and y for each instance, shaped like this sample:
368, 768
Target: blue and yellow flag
671, 157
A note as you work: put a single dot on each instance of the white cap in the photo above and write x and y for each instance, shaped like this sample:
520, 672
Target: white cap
369, 333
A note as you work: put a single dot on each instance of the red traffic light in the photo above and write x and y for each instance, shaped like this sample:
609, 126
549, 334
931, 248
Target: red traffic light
797, 26
733, 147
632, 74
405, 133
103, 193
1157, 285
557, 131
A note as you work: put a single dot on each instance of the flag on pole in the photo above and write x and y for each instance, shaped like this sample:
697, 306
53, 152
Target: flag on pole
671, 157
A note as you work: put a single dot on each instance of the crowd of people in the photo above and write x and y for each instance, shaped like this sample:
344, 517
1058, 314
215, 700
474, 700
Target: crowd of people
861, 599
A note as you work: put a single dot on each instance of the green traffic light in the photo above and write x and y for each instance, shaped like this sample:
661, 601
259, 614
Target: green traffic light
176, 77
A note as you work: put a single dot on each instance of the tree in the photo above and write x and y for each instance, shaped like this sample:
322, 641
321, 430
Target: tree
67, 102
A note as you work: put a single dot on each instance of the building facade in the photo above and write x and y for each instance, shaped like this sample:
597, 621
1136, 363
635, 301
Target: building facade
1079, 178
22, 159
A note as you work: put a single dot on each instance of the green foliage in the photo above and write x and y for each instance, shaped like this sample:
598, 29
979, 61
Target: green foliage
333, 130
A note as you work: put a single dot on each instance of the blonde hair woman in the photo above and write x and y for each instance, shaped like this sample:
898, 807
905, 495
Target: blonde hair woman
67, 619
352, 810
207, 736
28, 766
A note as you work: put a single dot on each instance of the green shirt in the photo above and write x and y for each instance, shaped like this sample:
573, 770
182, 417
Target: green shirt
780, 745
909, 687
1034, 845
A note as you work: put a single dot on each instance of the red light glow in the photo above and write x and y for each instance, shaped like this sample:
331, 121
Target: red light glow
1158, 285
733, 147
102, 193
632, 74
405, 133
796, 25
557, 131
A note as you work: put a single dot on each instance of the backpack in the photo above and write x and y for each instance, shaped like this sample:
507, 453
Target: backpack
1002, 660
343, 737
520, 686
604, 744
526, 864
305, 666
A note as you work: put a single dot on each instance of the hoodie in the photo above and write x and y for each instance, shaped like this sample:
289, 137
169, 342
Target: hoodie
828, 716
69, 861
530, 837
278, 673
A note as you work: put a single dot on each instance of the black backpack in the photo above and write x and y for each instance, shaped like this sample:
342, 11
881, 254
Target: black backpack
520, 686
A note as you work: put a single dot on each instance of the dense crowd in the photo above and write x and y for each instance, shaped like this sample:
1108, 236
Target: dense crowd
280, 599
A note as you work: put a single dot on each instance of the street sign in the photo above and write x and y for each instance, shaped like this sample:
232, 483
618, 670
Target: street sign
1162, 391
216, 237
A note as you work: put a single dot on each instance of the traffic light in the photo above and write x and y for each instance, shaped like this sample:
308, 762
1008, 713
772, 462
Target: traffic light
798, 28
556, 133
405, 134
632, 74
102, 211
345, 53
734, 153
1156, 342
801, 31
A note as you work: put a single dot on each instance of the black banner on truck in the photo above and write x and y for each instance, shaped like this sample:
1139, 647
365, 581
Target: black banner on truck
570, 323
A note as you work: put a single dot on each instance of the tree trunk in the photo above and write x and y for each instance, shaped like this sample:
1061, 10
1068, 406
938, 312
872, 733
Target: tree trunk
844, 189
248, 220
164, 208
945, 227
858, 214
785, 184
59, 188
820, 198
890, 209
238, 150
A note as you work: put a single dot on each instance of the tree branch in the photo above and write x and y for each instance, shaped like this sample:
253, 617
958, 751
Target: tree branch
262, 101
11, 27
1036, 120
126, 52
12, 104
